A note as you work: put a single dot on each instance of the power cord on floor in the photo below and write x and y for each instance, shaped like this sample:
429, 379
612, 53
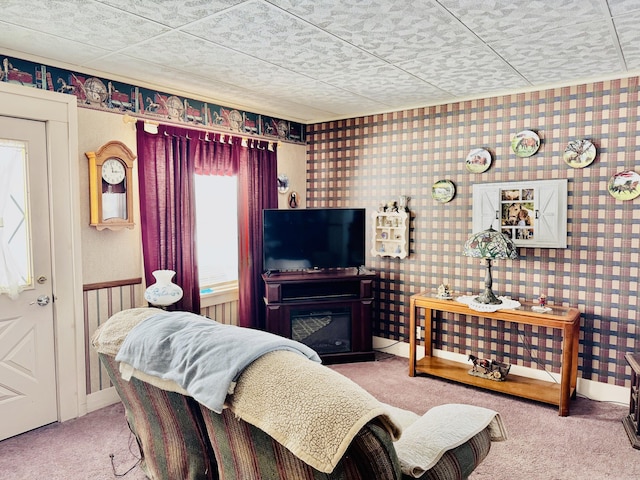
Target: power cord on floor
113, 467
537, 362
139, 459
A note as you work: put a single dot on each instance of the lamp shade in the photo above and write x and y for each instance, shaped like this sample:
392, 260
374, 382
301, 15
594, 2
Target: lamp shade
490, 244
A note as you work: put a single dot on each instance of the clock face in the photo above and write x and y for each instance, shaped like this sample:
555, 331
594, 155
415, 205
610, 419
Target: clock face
113, 171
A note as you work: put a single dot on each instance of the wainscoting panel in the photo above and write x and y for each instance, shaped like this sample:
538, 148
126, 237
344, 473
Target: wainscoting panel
221, 308
101, 301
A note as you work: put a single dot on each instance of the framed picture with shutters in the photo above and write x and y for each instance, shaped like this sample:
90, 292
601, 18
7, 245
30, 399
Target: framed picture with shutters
532, 213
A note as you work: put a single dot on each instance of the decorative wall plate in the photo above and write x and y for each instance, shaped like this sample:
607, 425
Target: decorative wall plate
525, 143
478, 160
579, 153
624, 185
443, 191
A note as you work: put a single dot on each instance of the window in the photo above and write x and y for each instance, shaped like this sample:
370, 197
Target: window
15, 244
217, 232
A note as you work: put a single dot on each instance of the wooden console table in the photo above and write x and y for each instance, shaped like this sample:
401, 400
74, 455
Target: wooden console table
567, 320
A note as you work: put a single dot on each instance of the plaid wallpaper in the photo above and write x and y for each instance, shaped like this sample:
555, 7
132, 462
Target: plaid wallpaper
362, 162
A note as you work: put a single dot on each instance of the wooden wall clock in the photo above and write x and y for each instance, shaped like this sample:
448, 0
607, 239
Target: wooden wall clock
111, 186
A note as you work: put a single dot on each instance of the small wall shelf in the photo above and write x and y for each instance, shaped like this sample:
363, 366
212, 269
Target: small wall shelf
390, 234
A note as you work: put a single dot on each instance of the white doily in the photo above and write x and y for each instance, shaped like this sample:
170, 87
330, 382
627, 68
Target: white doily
539, 309
507, 304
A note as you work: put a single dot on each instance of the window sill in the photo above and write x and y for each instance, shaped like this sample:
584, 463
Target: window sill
218, 294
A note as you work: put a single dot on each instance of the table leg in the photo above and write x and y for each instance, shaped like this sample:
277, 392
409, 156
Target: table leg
412, 338
428, 334
566, 371
574, 364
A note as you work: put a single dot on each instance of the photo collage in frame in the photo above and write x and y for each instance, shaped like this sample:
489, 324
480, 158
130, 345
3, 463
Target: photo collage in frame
517, 213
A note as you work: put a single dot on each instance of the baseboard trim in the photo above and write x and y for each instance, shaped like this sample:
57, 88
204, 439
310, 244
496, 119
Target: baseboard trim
101, 399
598, 391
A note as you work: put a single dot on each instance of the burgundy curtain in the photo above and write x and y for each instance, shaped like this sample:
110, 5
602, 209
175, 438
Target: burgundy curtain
216, 154
167, 164
167, 209
257, 190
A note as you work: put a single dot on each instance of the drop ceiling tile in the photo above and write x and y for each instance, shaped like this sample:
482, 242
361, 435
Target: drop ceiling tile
629, 35
279, 38
620, 7
497, 20
393, 30
172, 13
466, 72
584, 51
389, 85
129, 67
109, 29
48, 46
317, 95
190, 54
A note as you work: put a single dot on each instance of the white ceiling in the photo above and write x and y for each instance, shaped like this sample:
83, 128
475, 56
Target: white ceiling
317, 60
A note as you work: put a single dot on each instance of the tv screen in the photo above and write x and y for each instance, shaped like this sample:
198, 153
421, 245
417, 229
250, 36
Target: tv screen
313, 238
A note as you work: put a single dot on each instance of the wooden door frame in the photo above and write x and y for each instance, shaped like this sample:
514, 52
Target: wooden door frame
59, 112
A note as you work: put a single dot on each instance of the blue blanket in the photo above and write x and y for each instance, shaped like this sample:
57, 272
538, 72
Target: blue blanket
202, 356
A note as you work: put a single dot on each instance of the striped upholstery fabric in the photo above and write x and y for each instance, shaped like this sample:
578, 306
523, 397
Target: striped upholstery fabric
459, 462
245, 452
181, 439
167, 427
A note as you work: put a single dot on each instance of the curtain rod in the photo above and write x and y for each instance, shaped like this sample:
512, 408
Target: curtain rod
132, 119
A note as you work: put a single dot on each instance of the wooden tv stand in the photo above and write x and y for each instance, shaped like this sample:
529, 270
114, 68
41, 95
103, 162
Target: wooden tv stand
334, 302
567, 320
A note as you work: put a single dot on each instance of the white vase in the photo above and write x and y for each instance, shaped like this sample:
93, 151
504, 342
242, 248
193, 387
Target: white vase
163, 292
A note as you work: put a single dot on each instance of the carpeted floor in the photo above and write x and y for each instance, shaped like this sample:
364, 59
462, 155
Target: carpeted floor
589, 444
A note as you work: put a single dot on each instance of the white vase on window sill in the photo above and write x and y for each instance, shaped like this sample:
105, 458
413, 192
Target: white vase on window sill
164, 292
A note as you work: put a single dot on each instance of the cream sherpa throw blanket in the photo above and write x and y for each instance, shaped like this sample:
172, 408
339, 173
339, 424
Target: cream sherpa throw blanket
313, 411
440, 429
110, 335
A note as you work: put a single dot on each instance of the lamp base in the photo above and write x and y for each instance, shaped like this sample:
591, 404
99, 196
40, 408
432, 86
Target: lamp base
488, 297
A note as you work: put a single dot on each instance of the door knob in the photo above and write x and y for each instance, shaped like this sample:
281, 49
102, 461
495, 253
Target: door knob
42, 300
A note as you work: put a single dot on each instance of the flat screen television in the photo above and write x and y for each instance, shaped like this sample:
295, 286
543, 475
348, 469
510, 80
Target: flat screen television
313, 238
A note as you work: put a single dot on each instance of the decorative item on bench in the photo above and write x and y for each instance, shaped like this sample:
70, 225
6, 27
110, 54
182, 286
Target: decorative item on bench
444, 292
489, 369
542, 305
164, 292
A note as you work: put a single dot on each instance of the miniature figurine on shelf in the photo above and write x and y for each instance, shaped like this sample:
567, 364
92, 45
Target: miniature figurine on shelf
542, 305
402, 202
542, 301
444, 291
489, 369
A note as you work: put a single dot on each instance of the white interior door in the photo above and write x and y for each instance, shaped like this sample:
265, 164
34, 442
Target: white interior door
27, 356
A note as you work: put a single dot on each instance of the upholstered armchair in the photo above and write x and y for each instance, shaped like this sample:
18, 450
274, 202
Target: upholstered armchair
286, 416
